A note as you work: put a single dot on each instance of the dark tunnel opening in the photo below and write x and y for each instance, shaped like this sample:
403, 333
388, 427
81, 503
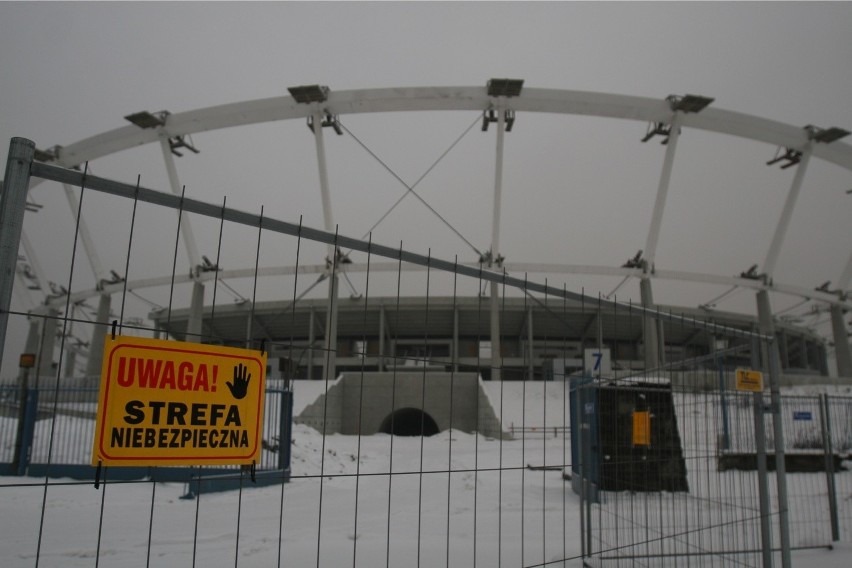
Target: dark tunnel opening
409, 422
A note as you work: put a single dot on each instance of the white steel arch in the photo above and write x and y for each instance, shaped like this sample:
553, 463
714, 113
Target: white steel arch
582, 103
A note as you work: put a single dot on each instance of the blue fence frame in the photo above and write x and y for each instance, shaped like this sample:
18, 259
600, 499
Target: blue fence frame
23, 440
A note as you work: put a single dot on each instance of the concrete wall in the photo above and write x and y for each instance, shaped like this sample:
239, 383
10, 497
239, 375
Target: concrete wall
359, 403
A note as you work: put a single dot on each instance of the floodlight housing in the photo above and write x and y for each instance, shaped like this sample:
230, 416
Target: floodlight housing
505, 87
309, 93
44, 155
145, 119
689, 103
827, 135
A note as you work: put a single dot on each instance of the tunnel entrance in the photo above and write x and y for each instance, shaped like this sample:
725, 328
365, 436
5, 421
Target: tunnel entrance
409, 422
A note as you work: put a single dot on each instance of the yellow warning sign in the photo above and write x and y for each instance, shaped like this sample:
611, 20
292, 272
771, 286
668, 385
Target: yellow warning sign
642, 428
174, 403
751, 381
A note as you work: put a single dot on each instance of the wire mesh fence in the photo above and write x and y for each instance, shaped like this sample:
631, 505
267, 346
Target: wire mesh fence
499, 489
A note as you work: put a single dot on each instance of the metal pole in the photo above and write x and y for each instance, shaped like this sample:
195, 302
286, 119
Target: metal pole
185, 226
94, 362
787, 213
762, 480
18, 457
650, 251
828, 446
841, 342
530, 345
650, 328
767, 326
496, 374
12, 206
85, 236
331, 312
723, 399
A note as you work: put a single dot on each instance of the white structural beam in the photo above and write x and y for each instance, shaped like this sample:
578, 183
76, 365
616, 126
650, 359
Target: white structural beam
174, 184
85, 236
496, 350
328, 220
842, 349
650, 252
846, 276
35, 265
589, 270
787, 213
583, 103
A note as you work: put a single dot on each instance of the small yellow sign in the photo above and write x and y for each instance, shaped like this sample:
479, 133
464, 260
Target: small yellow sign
174, 403
748, 380
642, 428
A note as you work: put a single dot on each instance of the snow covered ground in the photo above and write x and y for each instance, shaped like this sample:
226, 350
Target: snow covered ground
340, 509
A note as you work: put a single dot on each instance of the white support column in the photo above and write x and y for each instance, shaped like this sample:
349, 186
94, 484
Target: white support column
196, 313
382, 338
652, 328
650, 252
197, 300
99, 331
496, 359
531, 344
772, 367
185, 225
841, 342
787, 213
843, 353
330, 358
85, 236
35, 265
45, 351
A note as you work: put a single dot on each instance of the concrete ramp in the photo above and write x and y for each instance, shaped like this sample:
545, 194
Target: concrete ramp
404, 403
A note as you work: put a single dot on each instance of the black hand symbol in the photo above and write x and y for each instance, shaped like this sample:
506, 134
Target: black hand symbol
239, 387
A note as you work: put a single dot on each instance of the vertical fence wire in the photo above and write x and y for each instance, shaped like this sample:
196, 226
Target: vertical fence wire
50, 356
628, 527
363, 355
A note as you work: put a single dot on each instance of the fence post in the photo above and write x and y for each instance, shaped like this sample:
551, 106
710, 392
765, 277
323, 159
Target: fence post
285, 427
13, 200
762, 479
825, 420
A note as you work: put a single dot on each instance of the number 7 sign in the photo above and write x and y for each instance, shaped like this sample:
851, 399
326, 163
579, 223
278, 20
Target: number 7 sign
597, 362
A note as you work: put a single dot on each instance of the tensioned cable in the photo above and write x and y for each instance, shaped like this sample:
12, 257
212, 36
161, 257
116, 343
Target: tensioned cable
410, 188
146, 300
236, 294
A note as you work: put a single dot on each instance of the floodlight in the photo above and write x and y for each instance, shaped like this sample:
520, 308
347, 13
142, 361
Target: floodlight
751, 273
146, 119
635, 262
827, 135
658, 128
789, 155
490, 116
309, 93
328, 120
505, 87
45, 155
689, 103
180, 141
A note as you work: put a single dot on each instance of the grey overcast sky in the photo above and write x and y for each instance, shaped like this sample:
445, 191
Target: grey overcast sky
576, 191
